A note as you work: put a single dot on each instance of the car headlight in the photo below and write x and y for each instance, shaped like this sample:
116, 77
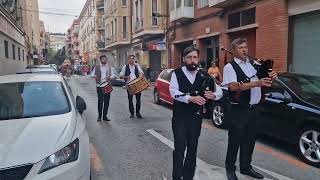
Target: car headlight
65, 155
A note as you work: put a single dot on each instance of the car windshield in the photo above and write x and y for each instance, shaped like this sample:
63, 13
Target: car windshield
32, 99
116, 71
307, 87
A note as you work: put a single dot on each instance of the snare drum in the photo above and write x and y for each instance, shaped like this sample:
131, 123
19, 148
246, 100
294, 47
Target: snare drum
106, 87
138, 85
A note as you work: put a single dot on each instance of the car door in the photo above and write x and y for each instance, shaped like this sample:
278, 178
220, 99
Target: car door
166, 86
160, 84
276, 117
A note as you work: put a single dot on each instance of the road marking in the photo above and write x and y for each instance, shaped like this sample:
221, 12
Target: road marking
96, 162
281, 156
207, 171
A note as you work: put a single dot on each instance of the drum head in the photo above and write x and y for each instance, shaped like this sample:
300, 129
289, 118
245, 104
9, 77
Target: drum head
103, 84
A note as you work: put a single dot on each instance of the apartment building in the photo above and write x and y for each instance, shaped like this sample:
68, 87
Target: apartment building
117, 21
149, 21
13, 50
87, 32
73, 43
44, 43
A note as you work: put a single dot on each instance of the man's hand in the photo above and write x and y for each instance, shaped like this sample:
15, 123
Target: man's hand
264, 82
273, 75
210, 95
108, 78
126, 78
197, 100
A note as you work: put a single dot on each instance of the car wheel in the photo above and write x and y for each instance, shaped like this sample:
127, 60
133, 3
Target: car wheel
217, 115
309, 146
156, 97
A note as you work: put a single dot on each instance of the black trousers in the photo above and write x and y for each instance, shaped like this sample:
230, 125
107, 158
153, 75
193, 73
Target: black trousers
103, 103
186, 133
242, 135
138, 103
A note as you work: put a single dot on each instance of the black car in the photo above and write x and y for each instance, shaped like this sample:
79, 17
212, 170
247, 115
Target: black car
290, 112
116, 81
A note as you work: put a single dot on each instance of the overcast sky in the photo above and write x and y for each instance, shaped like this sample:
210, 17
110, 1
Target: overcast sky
55, 23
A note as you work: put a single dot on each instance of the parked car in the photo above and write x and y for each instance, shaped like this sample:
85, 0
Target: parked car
117, 81
44, 133
39, 71
290, 112
161, 89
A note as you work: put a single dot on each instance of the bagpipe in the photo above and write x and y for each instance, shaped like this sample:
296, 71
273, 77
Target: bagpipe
263, 67
208, 84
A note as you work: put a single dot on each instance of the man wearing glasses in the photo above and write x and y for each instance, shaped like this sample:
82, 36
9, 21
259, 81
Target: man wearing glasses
130, 72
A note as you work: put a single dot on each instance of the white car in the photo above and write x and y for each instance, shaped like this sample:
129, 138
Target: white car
42, 132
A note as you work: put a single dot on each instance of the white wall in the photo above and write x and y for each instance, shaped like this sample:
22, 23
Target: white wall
8, 65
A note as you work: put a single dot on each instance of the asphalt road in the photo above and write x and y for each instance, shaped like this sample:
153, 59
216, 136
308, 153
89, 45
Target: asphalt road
141, 149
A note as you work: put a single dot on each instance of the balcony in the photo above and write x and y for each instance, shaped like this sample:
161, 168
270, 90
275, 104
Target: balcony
100, 26
138, 24
182, 10
100, 5
101, 45
223, 3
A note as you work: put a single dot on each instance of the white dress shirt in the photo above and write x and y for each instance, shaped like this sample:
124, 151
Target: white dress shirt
132, 70
104, 73
230, 76
174, 86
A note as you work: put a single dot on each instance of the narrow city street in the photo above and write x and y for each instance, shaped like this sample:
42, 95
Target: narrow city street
126, 149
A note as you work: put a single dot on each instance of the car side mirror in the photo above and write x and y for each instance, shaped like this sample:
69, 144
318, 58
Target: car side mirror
80, 104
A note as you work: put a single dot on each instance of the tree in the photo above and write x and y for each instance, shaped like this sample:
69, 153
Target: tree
59, 57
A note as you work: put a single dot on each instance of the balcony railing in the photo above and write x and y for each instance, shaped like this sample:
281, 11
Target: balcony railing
155, 21
138, 24
101, 45
222, 3
100, 5
100, 26
182, 11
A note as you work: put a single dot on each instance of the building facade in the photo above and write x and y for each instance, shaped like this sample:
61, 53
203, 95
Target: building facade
44, 43
57, 41
31, 26
13, 50
117, 23
87, 32
275, 29
73, 43
149, 23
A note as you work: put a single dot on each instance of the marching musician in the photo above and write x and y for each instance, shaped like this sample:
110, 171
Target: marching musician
245, 93
130, 72
186, 122
102, 73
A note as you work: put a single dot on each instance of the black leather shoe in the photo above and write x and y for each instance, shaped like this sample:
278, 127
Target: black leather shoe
131, 116
231, 175
106, 119
99, 119
253, 174
139, 116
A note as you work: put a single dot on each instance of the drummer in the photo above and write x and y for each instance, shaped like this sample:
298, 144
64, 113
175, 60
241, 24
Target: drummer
102, 73
130, 72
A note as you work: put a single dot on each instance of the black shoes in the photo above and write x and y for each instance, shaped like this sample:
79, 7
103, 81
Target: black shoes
106, 119
99, 119
132, 116
231, 175
139, 116
252, 173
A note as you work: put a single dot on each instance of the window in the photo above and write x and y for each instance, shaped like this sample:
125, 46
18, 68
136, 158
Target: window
171, 5
203, 3
19, 55
23, 55
6, 49
188, 3
124, 2
124, 27
154, 12
242, 18
38, 99
178, 4
13, 52
115, 28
